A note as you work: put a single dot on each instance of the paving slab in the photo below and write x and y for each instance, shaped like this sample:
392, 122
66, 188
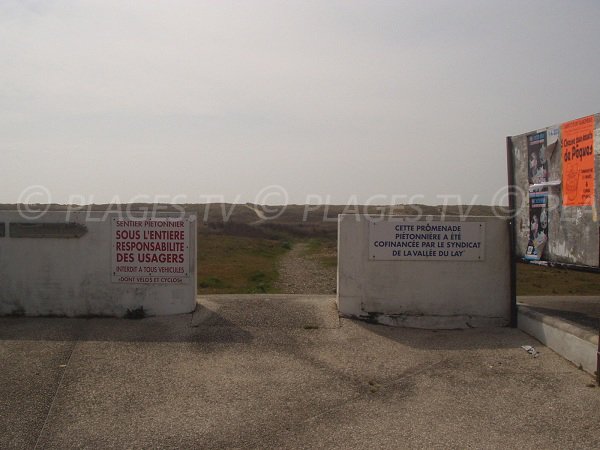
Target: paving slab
232, 378
33, 357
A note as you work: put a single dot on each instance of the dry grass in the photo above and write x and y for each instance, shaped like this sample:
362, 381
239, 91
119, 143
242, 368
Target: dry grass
539, 280
237, 264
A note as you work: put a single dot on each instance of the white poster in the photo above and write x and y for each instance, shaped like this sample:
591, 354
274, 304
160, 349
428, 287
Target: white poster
405, 239
154, 251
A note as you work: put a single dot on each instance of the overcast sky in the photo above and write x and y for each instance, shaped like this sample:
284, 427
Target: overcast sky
332, 100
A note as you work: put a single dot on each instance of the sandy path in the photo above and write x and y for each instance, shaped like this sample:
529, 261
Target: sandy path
301, 274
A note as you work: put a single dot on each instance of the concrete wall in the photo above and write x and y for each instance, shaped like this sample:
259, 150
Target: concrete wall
71, 276
573, 232
424, 294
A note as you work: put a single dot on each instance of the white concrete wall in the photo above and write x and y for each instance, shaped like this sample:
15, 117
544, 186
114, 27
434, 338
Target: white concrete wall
424, 294
72, 276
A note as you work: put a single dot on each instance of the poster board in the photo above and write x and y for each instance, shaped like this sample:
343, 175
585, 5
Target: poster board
553, 189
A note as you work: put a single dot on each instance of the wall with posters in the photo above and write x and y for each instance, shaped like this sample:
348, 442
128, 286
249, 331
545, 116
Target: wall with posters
96, 263
424, 272
556, 202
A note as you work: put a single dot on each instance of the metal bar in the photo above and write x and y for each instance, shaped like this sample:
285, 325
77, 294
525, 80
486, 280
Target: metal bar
512, 232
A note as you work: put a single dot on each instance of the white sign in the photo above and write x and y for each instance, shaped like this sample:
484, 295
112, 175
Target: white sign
154, 251
406, 239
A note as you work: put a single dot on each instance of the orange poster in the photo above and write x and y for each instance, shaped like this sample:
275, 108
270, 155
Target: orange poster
578, 162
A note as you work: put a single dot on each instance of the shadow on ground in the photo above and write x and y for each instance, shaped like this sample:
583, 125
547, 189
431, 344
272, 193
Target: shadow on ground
284, 372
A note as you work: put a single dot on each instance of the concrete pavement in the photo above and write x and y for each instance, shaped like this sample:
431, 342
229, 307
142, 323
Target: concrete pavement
284, 372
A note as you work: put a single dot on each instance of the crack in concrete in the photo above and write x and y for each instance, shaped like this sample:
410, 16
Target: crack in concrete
58, 386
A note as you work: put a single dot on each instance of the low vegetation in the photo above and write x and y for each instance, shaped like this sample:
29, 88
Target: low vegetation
237, 264
242, 264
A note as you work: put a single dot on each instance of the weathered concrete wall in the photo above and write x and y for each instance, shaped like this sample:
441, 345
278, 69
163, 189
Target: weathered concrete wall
424, 294
573, 232
71, 276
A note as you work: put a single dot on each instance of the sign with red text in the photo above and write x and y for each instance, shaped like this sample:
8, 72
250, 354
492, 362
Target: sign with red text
578, 162
150, 251
415, 240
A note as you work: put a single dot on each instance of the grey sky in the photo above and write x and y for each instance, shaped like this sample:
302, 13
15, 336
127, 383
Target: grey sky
326, 98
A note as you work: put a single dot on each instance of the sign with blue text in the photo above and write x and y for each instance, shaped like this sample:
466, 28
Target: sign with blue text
415, 240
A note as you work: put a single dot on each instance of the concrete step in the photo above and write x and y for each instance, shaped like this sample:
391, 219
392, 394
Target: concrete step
573, 341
